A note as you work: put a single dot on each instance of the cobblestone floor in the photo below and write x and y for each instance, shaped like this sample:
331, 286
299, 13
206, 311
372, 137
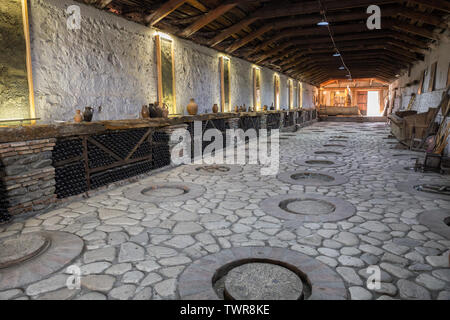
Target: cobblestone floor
137, 250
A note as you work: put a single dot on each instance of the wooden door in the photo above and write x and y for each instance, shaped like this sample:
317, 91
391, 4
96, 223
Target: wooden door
362, 102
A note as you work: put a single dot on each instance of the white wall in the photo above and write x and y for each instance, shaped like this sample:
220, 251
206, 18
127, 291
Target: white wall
111, 62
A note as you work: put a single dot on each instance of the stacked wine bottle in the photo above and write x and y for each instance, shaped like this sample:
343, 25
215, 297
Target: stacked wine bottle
113, 175
160, 150
70, 180
121, 142
70, 176
273, 121
4, 216
97, 157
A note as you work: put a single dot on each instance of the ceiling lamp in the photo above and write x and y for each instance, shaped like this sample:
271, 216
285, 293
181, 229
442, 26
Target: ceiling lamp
341, 68
336, 54
323, 23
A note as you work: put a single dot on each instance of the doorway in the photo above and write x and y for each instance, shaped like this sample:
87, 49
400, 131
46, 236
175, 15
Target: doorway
373, 103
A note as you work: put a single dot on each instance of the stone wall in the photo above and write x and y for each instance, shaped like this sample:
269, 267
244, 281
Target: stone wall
14, 92
111, 62
29, 178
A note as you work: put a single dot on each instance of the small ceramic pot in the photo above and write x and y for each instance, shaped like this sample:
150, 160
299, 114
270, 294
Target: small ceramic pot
145, 113
215, 108
78, 117
88, 114
192, 107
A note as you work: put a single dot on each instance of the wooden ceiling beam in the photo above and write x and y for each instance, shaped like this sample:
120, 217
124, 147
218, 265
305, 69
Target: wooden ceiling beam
209, 17
441, 5
415, 30
285, 9
167, 8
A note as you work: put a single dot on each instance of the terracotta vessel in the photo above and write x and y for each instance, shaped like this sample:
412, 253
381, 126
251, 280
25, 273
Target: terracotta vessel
165, 111
236, 109
88, 114
152, 109
145, 113
265, 107
215, 108
192, 107
78, 117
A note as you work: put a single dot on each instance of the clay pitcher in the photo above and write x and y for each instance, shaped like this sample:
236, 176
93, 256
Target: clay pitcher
88, 113
165, 111
236, 109
78, 117
152, 110
192, 107
145, 113
215, 108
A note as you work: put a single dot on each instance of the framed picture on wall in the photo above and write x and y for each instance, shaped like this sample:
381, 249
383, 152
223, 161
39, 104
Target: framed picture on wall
224, 63
432, 82
166, 73
422, 80
17, 102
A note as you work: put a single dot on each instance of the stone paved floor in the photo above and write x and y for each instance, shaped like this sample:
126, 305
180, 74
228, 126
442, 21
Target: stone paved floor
137, 250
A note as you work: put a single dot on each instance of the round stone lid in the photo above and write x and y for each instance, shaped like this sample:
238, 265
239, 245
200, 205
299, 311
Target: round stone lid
263, 281
21, 248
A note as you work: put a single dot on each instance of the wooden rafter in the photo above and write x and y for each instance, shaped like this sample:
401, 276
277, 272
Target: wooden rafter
167, 8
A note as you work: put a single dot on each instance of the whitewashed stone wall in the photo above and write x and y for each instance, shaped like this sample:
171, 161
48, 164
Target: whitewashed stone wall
111, 62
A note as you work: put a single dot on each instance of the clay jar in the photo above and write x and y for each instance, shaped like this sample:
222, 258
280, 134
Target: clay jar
165, 111
192, 107
215, 108
88, 114
152, 110
78, 117
145, 113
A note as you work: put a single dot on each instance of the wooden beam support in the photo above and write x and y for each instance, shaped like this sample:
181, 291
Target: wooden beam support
208, 18
441, 5
167, 8
280, 10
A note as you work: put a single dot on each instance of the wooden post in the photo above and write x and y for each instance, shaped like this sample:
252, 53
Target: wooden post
26, 30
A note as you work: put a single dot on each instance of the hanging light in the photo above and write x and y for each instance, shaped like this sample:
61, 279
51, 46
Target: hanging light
323, 23
341, 68
336, 54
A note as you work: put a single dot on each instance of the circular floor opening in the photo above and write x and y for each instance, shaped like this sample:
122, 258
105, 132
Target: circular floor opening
298, 209
319, 162
326, 152
260, 273
213, 169
426, 188
447, 221
22, 248
32, 257
165, 191
312, 177
334, 146
307, 206
261, 280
